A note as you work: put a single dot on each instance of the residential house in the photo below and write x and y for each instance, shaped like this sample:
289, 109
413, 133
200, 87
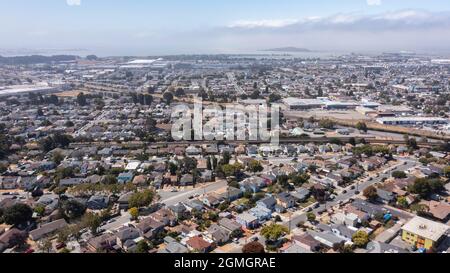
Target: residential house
230, 225
125, 237
70, 182
307, 241
262, 214
140, 180
102, 243
231, 194
294, 248
97, 202
301, 195
179, 210
9, 182
47, 229
173, 246
247, 220
194, 205
285, 200
187, 180
211, 200
253, 184
125, 178
199, 244
218, 234
386, 196
439, 210
7, 239
149, 228
328, 239
164, 216
124, 200
268, 202
193, 151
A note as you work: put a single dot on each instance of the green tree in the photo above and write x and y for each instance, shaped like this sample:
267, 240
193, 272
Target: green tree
180, 92
92, 221
311, 217
57, 157
226, 157
255, 95
73, 209
327, 124
399, 174
40, 210
134, 212
209, 163
360, 239
299, 179
142, 247
273, 232
3, 168
142, 199
19, 240
447, 171
425, 186
232, 170
274, 97
402, 202
255, 166
371, 193
173, 168
45, 246
81, 99
168, 97
109, 180
17, 214
362, 126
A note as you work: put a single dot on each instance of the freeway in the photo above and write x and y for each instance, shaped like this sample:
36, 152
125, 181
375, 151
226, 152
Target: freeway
342, 197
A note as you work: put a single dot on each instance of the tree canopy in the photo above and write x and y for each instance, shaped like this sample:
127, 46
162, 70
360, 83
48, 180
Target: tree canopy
273, 232
360, 239
17, 214
253, 248
142, 199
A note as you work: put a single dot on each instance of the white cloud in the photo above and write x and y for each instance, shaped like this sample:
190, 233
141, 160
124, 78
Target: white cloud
73, 2
403, 19
374, 2
262, 23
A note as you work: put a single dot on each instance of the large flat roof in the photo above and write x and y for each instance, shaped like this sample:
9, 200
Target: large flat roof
413, 119
426, 228
23, 89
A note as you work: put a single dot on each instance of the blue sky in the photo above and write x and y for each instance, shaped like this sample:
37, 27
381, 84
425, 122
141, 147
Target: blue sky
218, 26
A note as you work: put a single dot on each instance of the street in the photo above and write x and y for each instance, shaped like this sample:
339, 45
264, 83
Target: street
370, 181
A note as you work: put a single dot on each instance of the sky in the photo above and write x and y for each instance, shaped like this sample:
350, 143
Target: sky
159, 27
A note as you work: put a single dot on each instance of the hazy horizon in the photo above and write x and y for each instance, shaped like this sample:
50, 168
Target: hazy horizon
145, 28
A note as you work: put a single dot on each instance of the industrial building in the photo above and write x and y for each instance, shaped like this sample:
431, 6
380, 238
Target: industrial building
413, 121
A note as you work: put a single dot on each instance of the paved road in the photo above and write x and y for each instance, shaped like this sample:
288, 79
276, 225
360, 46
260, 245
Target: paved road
301, 216
184, 196
119, 222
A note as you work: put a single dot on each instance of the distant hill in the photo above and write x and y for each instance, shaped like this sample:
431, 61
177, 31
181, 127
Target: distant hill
288, 49
36, 59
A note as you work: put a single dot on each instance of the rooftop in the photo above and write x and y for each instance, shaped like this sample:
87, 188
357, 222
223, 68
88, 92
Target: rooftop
426, 228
